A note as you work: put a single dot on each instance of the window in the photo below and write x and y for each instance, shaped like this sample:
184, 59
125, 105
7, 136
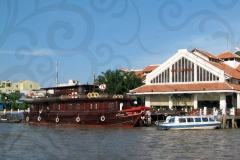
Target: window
205, 119
190, 120
96, 106
197, 119
78, 107
111, 106
210, 119
182, 120
172, 120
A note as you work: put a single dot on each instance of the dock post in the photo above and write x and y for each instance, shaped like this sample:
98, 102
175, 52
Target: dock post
236, 125
233, 122
224, 121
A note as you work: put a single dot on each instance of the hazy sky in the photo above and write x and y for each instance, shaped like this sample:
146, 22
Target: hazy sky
87, 36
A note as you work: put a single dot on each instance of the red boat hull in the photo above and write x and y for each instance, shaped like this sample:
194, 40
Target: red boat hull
74, 119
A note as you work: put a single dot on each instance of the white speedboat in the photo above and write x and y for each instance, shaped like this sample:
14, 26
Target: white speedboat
189, 122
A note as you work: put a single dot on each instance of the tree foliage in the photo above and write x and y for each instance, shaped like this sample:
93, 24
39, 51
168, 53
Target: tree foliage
118, 82
4, 98
10, 98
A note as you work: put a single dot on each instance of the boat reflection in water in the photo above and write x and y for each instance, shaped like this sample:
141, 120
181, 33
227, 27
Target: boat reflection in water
189, 122
82, 105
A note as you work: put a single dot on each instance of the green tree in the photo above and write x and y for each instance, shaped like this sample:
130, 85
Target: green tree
14, 96
118, 82
4, 98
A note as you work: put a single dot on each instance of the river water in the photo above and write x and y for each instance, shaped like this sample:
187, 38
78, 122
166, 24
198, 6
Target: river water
23, 141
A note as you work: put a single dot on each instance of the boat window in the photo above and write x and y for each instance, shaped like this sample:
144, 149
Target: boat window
59, 107
182, 120
205, 119
190, 120
55, 107
48, 108
172, 120
96, 106
111, 106
210, 119
78, 107
70, 106
91, 106
197, 119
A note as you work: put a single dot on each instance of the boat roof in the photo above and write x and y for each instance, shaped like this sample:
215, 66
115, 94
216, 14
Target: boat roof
69, 86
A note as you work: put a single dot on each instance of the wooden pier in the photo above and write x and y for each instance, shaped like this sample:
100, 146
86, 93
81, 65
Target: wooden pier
229, 121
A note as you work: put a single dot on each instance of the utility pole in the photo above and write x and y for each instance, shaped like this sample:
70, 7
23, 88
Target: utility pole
56, 73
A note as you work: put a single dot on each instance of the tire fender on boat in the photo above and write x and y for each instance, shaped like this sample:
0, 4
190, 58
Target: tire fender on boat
115, 96
39, 118
69, 96
27, 118
156, 122
89, 95
57, 120
103, 118
78, 119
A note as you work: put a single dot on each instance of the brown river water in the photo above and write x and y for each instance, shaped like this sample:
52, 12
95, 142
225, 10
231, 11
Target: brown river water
23, 141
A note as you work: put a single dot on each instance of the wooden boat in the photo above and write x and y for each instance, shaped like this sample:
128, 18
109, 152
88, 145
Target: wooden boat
189, 122
80, 105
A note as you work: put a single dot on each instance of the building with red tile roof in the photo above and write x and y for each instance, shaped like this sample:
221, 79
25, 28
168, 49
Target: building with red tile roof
211, 81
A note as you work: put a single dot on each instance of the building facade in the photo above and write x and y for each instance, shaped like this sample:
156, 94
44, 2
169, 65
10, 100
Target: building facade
24, 85
194, 79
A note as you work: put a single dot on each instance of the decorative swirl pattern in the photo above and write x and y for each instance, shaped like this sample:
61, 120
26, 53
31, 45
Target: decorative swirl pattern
230, 4
82, 28
201, 17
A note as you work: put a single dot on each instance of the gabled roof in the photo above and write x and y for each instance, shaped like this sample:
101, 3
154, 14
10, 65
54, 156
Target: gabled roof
238, 68
227, 54
186, 87
234, 73
150, 68
207, 54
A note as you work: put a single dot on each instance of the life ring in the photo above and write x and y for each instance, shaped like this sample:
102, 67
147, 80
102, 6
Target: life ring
89, 95
39, 118
27, 118
156, 122
96, 95
69, 96
93, 95
78, 119
103, 118
57, 119
114, 96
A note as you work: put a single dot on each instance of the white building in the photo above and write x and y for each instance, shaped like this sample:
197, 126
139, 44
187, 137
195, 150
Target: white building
212, 81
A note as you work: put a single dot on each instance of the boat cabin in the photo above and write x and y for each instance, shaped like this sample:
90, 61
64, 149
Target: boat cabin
177, 119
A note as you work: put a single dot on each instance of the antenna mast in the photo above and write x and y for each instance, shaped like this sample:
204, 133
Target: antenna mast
94, 81
56, 73
227, 42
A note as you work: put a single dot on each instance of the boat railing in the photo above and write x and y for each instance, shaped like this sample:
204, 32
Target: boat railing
81, 96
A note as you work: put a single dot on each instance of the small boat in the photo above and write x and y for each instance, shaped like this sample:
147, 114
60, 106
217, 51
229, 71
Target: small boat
189, 122
11, 118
